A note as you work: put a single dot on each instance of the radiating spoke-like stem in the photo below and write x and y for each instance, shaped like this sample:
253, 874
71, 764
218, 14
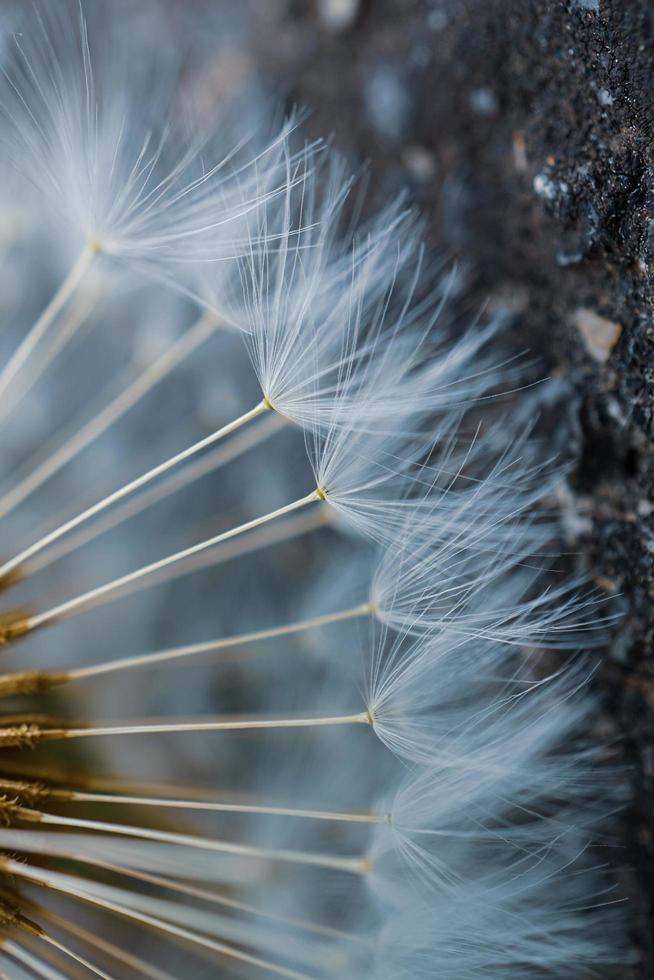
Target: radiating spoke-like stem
111, 413
91, 967
334, 862
176, 481
76, 316
235, 725
134, 963
87, 598
263, 537
65, 886
28, 682
130, 488
33, 963
212, 646
215, 807
202, 894
47, 317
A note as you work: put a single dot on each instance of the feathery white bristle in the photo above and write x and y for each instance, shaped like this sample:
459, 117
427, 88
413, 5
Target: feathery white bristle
393, 779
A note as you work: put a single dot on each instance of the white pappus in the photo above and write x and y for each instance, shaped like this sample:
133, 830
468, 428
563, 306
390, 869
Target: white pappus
347, 731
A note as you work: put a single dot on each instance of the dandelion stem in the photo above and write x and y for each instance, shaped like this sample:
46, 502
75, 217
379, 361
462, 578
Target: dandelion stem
47, 317
202, 894
263, 537
208, 805
241, 724
111, 413
214, 898
73, 605
16, 918
313, 859
211, 646
96, 971
75, 317
109, 948
176, 481
34, 964
130, 488
62, 883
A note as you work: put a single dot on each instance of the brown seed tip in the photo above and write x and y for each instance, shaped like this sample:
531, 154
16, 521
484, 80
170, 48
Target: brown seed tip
30, 925
13, 626
24, 736
11, 579
23, 814
26, 792
26, 682
11, 811
9, 914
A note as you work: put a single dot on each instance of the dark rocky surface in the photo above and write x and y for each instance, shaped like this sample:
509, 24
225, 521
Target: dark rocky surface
523, 129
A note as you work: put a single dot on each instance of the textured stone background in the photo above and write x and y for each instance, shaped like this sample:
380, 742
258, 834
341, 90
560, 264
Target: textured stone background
523, 129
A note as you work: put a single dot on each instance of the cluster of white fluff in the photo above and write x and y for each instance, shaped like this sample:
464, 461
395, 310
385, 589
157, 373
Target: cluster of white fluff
377, 770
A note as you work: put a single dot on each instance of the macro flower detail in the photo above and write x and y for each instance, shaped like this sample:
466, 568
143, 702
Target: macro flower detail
283, 686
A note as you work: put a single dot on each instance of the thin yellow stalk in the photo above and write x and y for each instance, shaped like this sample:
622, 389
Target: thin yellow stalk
224, 949
87, 598
211, 897
214, 807
104, 946
91, 967
177, 481
33, 962
212, 646
111, 413
54, 965
264, 537
241, 724
47, 317
312, 859
131, 487
68, 327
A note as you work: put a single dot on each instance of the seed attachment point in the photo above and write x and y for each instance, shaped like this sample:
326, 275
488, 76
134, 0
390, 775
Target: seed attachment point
25, 736
13, 626
26, 682
10, 579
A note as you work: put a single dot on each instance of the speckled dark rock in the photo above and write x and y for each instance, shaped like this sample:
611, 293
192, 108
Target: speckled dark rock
524, 131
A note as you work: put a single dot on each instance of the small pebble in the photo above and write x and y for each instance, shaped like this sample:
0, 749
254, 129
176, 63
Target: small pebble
599, 333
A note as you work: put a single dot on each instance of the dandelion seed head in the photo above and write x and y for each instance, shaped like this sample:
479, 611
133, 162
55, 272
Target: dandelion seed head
280, 585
